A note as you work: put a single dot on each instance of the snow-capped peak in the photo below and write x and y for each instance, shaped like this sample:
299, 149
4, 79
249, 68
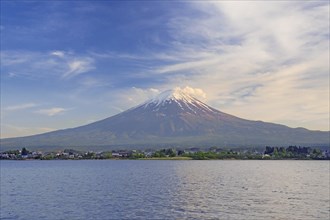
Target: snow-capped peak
173, 94
184, 100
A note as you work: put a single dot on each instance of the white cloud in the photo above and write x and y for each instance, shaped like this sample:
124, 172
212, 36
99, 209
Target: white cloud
195, 92
58, 53
78, 66
51, 111
20, 106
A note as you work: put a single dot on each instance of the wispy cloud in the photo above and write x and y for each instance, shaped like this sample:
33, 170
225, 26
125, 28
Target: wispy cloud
78, 66
92, 82
20, 106
51, 111
14, 57
58, 53
65, 65
248, 54
134, 95
195, 92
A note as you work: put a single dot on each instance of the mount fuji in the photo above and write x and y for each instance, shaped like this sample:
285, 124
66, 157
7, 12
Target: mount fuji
172, 118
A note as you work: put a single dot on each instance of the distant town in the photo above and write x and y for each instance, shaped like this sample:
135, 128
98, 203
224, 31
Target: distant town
213, 153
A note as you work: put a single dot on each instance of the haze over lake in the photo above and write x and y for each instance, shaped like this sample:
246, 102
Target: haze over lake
129, 189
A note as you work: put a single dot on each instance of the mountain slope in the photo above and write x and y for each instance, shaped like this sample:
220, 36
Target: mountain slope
173, 119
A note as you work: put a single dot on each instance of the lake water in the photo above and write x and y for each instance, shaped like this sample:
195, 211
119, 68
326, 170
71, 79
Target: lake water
131, 189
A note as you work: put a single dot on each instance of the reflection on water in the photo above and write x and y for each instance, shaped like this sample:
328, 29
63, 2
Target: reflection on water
255, 189
165, 190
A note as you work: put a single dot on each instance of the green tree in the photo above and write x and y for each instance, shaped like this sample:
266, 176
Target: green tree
275, 153
24, 151
171, 152
282, 152
316, 153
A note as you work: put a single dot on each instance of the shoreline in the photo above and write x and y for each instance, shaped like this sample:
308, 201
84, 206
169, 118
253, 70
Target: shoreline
167, 158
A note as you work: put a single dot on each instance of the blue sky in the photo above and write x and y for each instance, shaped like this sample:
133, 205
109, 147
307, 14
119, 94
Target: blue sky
69, 63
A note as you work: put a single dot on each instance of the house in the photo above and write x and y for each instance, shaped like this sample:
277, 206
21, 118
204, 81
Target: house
121, 154
115, 154
265, 156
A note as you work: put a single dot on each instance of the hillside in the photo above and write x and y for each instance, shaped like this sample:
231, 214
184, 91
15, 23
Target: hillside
173, 118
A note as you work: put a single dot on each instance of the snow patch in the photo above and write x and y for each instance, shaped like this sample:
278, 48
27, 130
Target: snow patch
179, 96
176, 94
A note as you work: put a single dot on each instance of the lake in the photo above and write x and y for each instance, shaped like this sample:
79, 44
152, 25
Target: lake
142, 189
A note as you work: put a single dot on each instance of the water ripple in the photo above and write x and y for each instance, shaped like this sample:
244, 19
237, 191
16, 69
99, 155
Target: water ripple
165, 190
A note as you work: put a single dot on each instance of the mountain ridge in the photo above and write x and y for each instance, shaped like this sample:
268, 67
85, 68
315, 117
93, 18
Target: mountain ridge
173, 118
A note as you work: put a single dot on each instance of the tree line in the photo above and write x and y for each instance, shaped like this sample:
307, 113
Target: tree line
291, 152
